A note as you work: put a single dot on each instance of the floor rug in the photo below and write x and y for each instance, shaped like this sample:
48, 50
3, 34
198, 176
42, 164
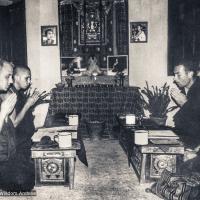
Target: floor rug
108, 177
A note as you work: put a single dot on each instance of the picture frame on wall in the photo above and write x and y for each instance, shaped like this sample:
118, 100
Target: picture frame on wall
117, 64
49, 36
138, 32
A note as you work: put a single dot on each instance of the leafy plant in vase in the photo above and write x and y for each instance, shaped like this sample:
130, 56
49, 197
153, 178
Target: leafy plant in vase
157, 102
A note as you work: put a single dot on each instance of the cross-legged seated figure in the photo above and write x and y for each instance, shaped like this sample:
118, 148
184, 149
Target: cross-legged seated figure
187, 119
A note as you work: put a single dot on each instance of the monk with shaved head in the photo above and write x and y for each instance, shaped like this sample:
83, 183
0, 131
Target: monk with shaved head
20, 173
22, 78
22, 116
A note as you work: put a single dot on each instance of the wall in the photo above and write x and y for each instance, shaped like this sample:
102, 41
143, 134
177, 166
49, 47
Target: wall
4, 30
148, 61
43, 60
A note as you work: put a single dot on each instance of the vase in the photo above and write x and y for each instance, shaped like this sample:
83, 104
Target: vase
160, 121
95, 129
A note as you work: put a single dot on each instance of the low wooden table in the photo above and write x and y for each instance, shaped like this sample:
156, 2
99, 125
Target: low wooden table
149, 160
52, 164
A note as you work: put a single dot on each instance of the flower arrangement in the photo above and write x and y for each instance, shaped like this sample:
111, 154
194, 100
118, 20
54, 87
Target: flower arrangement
158, 100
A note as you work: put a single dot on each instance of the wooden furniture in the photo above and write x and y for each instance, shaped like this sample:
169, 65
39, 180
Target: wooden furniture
54, 166
150, 160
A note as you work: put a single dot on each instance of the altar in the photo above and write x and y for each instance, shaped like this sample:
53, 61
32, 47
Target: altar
95, 102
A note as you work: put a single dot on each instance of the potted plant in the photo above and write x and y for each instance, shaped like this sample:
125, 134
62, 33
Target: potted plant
157, 102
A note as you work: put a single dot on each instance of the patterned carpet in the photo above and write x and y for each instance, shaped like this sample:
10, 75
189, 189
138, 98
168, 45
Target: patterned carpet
108, 177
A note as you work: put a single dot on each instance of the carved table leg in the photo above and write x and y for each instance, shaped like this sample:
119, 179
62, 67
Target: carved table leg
71, 172
143, 168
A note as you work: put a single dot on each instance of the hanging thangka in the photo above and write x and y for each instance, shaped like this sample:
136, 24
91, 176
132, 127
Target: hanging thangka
92, 25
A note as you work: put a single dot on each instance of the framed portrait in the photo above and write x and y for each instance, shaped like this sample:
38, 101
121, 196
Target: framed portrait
71, 65
117, 64
138, 32
49, 36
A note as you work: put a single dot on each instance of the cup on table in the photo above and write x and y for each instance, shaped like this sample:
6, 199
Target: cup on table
130, 119
141, 137
73, 120
64, 139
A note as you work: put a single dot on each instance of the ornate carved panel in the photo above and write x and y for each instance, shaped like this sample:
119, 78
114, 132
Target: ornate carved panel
92, 25
161, 162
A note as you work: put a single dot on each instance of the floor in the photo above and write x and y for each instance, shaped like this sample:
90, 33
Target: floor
108, 177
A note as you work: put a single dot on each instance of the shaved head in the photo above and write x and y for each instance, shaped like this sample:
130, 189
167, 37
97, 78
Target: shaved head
22, 77
21, 69
6, 72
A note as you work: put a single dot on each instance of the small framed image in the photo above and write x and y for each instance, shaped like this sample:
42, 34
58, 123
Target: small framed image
49, 36
117, 64
138, 32
71, 66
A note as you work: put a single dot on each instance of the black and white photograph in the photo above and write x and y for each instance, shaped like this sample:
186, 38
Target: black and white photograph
49, 35
138, 32
117, 64
100, 99
71, 66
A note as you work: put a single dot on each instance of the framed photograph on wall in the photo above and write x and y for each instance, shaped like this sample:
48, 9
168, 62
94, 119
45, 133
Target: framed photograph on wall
49, 36
138, 32
117, 64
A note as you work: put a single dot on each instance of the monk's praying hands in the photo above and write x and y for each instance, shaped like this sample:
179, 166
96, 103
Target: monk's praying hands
178, 97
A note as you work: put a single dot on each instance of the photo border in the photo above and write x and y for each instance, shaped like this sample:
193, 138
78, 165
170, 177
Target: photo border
43, 28
62, 58
134, 24
117, 56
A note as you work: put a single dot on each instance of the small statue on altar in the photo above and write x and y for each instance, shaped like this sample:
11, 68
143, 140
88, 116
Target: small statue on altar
74, 66
93, 67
